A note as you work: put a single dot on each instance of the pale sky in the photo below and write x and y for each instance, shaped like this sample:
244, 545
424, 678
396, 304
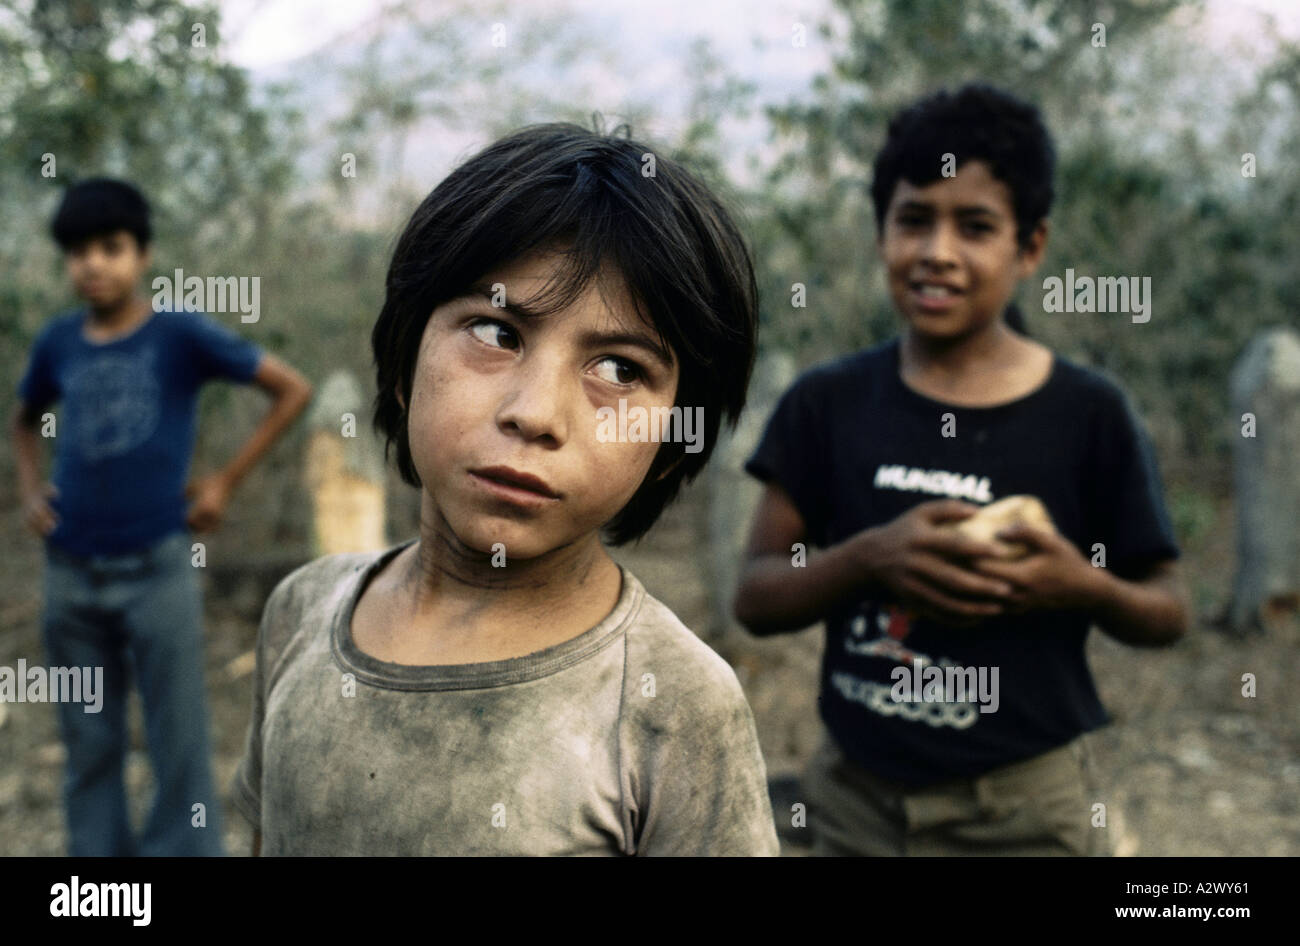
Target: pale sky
752, 39
268, 32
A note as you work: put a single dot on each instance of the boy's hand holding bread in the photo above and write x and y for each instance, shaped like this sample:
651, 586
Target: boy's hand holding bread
960, 564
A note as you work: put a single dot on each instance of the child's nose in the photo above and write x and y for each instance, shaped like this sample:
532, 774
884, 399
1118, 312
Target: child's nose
536, 403
940, 244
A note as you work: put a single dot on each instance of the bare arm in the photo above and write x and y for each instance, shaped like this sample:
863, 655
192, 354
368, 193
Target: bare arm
37, 513
22, 428
290, 392
909, 557
773, 596
1149, 612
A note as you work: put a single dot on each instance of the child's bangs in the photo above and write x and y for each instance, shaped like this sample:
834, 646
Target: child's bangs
591, 238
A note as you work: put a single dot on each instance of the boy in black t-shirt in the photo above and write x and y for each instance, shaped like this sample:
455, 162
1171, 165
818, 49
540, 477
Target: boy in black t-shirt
955, 689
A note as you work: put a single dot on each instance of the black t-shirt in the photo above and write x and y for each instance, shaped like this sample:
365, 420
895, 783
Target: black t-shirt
855, 447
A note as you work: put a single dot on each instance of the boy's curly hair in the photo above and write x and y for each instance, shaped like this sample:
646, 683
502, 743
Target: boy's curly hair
977, 122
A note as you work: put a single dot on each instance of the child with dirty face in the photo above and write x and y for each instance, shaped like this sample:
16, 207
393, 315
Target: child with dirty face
498, 684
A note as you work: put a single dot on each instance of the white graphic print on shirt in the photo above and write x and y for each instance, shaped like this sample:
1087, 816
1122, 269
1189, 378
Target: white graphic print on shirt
936, 482
892, 625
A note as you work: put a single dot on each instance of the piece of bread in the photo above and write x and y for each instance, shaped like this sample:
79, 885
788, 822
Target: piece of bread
984, 525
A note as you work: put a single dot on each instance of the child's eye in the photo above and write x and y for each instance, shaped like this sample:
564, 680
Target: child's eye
494, 333
618, 370
978, 227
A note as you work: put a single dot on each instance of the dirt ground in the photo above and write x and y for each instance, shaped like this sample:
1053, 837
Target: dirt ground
1189, 767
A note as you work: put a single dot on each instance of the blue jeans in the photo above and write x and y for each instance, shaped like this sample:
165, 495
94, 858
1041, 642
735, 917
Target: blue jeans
141, 616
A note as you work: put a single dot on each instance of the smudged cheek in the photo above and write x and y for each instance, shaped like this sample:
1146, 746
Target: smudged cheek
613, 473
448, 412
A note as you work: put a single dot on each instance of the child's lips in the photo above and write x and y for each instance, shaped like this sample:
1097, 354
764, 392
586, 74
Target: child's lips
514, 486
930, 301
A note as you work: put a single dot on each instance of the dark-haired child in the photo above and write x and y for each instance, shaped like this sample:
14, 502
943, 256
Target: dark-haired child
955, 689
498, 684
120, 592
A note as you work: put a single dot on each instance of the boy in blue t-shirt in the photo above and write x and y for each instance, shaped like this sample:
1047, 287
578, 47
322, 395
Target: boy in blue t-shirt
120, 593
955, 689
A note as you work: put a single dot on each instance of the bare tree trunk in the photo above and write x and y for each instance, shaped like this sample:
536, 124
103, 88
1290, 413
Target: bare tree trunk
344, 471
1265, 393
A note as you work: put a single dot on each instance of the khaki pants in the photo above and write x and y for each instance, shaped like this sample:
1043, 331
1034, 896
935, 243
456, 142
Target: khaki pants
1039, 806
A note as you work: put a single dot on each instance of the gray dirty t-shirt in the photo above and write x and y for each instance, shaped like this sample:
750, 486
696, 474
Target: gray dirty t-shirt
632, 738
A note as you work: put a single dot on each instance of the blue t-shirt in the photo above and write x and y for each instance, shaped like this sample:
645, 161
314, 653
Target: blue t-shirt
126, 427
855, 447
